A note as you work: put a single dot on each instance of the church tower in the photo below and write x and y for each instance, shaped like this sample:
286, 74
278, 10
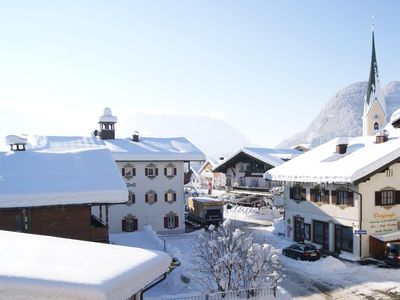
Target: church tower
107, 125
374, 116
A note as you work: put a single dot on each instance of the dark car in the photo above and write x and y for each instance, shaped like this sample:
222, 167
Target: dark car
392, 254
302, 252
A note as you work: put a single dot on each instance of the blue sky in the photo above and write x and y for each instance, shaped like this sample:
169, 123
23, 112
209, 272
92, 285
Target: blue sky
262, 66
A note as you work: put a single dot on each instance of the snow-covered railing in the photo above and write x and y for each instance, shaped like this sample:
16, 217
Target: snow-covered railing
253, 294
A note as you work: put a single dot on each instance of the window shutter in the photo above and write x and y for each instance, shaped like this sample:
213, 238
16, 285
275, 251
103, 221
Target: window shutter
165, 222
378, 198
303, 194
155, 197
174, 171
133, 171
397, 197
291, 193
133, 198
326, 196
123, 171
176, 221
156, 171
334, 197
166, 197
350, 198
174, 196
123, 225
146, 171
146, 198
165, 171
312, 195
135, 224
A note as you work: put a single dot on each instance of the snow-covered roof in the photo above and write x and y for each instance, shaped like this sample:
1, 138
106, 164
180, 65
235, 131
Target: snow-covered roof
43, 267
208, 200
388, 237
16, 139
323, 165
150, 148
270, 156
49, 176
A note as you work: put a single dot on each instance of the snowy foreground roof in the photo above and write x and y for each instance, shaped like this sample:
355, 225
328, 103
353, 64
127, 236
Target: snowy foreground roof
273, 157
79, 172
148, 148
323, 165
42, 267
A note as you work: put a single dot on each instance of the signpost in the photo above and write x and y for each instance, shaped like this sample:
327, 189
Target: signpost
360, 231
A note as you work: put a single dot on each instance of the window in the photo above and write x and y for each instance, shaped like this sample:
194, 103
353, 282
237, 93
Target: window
170, 170
171, 220
131, 198
150, 197
343, 198
128, 171
151, 171
170, 196
321, 233
319, 195
343, 238
387, 197
297, 193
376, 126
129, 223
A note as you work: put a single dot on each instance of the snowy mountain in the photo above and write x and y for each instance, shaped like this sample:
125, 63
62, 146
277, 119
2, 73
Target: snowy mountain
212, 136
342, 115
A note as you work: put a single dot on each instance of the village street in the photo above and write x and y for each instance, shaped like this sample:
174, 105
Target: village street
327, 278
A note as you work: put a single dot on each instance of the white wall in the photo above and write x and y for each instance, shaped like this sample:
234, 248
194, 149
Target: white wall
152, 214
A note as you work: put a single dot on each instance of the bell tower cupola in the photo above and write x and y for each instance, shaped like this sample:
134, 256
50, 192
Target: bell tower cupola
107, 125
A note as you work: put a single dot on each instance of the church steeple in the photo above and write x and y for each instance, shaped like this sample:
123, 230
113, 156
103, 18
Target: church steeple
373, 72
375, 116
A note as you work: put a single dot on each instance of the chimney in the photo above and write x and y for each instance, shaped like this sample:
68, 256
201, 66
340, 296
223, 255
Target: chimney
341, 145
382, 137
135, 136
17, 143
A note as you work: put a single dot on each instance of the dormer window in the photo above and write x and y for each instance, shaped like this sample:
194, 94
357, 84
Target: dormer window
170, 170
151, 170
17, 147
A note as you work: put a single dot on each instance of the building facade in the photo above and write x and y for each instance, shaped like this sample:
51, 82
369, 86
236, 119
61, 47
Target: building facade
154, 171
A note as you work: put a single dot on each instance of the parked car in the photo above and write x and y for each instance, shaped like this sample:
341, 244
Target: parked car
392, 254
301, 251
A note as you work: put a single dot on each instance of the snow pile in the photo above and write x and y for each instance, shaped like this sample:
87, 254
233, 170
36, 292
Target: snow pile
251, 213
279, 226
146, 239
55, 268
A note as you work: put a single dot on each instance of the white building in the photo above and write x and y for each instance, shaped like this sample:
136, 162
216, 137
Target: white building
154, 173
43, 267
346, 185
207, 178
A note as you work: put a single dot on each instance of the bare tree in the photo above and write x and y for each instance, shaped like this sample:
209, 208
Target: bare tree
227, 259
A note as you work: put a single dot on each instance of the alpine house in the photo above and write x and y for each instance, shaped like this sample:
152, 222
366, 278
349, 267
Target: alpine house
345, 194
154, 173
48, 185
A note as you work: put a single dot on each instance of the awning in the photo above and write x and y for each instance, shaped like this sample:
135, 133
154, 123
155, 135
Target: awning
388, 237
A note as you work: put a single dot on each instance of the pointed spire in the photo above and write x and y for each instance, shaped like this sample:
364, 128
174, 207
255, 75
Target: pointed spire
373, 73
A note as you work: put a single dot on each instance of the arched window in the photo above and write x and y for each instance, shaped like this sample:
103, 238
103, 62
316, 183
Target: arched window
376, 126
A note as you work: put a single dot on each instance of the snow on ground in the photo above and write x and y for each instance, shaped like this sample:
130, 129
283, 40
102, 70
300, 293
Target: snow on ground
331, 278
261, 215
